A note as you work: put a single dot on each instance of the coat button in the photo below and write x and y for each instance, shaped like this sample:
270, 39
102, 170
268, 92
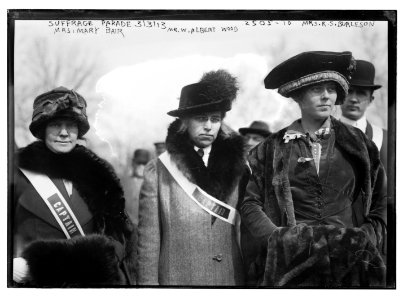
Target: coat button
217, 257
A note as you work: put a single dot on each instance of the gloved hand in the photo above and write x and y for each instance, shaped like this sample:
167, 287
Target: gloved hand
20, 270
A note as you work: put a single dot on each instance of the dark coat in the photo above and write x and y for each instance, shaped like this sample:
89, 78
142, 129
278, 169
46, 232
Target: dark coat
106, 255
179, 242
268, 202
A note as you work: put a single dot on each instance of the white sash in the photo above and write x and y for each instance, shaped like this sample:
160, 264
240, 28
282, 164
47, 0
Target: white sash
56, 203
377, 136
207, 202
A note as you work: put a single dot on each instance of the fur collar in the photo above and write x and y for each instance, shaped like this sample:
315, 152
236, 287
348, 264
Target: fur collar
226, 162
93, 177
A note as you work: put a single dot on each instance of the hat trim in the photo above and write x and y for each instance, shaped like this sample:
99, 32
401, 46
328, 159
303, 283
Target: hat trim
182, 110
296, 84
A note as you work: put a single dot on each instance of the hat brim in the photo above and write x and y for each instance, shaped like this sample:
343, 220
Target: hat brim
246, 130
37, 127
221, 105
368, 86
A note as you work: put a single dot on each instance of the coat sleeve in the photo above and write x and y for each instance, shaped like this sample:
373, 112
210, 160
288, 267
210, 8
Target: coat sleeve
251, 209
149, 228
375, 222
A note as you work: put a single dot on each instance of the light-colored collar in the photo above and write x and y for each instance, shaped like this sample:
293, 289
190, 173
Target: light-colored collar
206, 150
206, 154
295, 130
361, 123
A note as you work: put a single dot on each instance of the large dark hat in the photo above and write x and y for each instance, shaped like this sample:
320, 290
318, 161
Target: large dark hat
141, 156
214, 92
364, 75
312, 67
60, 102
258, 127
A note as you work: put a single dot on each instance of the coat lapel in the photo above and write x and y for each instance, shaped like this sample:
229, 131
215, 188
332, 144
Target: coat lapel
353, 142
281, 182
81, 210
34, 203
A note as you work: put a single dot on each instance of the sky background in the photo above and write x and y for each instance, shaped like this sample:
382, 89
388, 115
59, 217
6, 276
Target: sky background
138, 71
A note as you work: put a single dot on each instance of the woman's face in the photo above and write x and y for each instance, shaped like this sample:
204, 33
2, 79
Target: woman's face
61, 135
203, 128
317, 101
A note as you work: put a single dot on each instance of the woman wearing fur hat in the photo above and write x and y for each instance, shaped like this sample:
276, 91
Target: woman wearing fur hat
188, 222
69, 221
315, 205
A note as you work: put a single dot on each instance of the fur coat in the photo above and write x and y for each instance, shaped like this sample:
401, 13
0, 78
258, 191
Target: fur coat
268, 204
179, 242
106, 254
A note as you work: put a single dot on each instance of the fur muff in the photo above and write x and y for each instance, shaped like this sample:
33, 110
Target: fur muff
82, 261
225, 166
100, 188
325, 256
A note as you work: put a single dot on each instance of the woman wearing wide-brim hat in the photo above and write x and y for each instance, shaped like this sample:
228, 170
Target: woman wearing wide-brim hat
70, 227
315, 205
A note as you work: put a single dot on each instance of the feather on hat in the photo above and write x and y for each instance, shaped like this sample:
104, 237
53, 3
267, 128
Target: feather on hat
215, 91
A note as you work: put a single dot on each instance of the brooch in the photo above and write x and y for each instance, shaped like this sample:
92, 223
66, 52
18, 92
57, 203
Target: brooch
291, 135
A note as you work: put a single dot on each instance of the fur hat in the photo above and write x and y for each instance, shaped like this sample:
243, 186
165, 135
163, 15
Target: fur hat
214, 92
59, 102
312, 67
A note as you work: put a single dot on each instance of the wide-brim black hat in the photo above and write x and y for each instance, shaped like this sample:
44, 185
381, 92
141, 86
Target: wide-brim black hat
312, 67
257, 127
59, 103
364, 75
215, 92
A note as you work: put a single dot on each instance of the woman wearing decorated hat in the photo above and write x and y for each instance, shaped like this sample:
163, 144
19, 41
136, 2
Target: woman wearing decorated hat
70, 227
188, 219
315, 205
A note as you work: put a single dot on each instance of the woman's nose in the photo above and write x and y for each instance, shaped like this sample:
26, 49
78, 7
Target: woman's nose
325, 93
207, 125
63, 131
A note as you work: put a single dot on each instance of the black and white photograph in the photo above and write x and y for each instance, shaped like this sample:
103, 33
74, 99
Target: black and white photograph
201, 149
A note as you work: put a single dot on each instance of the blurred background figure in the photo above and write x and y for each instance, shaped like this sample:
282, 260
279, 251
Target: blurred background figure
159, 148
132, 184
140, 158
360, 96
255, 133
